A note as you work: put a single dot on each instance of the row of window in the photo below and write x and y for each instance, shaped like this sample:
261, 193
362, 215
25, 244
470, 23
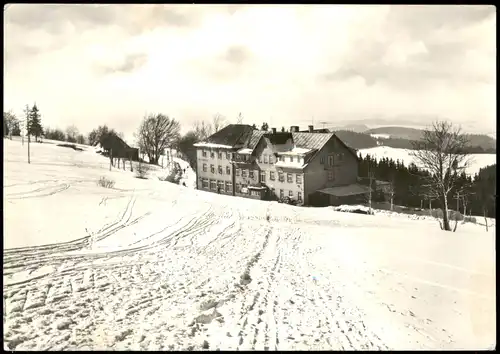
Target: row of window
217, 185
272, 175
252, 173
220, 154
270, 159
241, 186
225, 186
219, 169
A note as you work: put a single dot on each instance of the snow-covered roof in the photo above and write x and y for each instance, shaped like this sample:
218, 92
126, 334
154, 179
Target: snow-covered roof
296, 151
288, 164
343, 191
245, 151
212, 145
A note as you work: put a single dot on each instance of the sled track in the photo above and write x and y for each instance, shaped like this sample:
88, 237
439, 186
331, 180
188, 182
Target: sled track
36, 255
196, 225
39, 192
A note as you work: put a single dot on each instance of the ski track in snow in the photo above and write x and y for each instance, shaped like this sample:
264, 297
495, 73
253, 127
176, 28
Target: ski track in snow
173, 270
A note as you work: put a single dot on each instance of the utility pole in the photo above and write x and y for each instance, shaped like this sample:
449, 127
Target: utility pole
28, 130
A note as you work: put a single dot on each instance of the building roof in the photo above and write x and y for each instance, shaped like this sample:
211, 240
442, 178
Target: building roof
278, 138
245, 136
255, 138
347, 190
234, 135
311, 140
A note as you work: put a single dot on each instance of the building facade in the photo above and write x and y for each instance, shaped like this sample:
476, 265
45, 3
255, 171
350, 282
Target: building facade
304, 166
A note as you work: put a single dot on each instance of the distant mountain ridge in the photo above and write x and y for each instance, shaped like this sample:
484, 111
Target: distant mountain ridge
402, 137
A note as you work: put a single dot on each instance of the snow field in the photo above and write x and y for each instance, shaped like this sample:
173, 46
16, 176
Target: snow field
149, 265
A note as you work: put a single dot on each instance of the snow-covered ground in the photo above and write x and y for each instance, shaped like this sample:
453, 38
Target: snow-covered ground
380, 136
478, 161
151, 265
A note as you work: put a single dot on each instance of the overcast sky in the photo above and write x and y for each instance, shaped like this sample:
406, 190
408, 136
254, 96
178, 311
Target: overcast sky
93, 64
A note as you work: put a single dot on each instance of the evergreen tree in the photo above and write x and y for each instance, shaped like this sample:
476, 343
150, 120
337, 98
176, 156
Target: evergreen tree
264, 127
35, 123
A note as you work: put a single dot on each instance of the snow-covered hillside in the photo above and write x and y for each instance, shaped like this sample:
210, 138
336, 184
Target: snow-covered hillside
151, 265
478, 160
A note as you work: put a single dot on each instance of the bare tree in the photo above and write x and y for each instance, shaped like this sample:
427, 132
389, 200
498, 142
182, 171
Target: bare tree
71, 133
218, 122
156, 133
442, 151
203, 130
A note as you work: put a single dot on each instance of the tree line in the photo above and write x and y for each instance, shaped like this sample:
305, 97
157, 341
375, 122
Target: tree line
470, 194
31, 125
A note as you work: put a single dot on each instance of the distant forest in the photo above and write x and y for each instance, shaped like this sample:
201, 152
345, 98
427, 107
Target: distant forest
408, 183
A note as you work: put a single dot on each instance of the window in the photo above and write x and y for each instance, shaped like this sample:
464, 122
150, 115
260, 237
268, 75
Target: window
271, 159
299, 159
243, 173
265, 159
273, 192
220, 185
204, 153
330, 160
250, 173
290, 194
221, 156
289, 178
220, 169
282, 158
271, 175
256, 193
331, 176
228, 170
238, 172
298, 178
213, 184
212, 168
238, 187
228, 155
229, 187
322, 160
204, 167
281, 177
291, 158
204, 183
299, 196
341, 156
259, 159
212, 155
263, 176
282, 193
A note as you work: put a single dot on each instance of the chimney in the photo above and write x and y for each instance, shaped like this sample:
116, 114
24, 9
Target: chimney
274, 130
294, 129
311, 128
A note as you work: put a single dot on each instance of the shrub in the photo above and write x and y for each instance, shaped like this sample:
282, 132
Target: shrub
142, 170
105, 182
470, 219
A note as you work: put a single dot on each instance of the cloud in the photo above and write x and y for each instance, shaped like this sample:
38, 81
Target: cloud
129, 63
329, 62
421, 44
236, 55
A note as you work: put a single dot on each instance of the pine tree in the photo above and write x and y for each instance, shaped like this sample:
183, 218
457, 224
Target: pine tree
35, 123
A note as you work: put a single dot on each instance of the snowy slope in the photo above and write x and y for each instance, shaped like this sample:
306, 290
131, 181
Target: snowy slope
478, 160
150, 265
